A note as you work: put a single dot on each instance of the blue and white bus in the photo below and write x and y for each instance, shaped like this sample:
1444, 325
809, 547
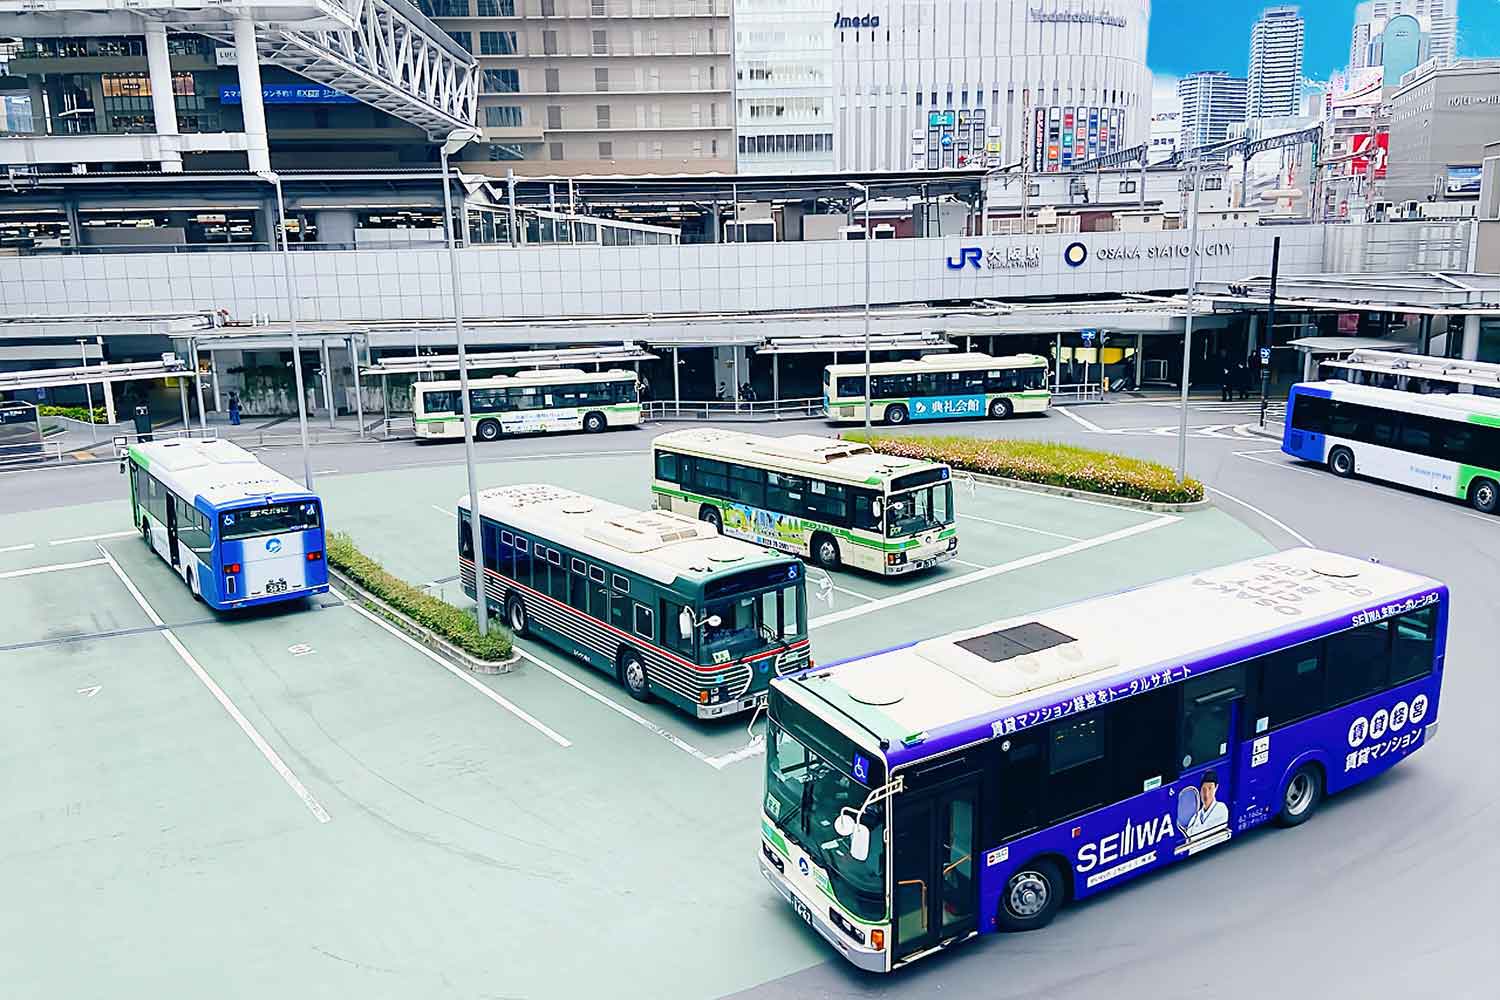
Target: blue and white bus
976, 782
237, 532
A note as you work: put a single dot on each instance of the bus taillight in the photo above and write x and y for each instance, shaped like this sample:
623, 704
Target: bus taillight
314, 556
232, 568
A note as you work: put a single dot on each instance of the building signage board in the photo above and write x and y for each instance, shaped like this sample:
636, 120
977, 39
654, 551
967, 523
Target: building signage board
1077, 17
1463, 181
290, 93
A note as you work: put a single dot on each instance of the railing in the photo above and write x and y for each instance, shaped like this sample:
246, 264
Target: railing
1078, 392
728, 409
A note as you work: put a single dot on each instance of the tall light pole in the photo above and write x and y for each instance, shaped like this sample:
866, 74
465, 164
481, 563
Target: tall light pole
88, 388
457, 140
1196, 174
869, 235
274, 180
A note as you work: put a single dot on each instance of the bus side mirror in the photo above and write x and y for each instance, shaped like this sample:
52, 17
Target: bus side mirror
875, 509
685, 624
859, 842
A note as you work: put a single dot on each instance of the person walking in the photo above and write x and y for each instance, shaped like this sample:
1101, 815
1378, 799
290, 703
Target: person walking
234, 409
1226, 379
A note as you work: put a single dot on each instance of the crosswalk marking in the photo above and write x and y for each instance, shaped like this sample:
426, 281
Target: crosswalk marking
1219, 431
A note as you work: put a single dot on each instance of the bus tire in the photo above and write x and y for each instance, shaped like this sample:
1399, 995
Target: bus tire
1032, 896
1001, 409
709, 514
515, 615
825, 550
193, 586
895, 414
1301, 796
488, 430
632, 670
594, 422
1341, 462
1484, 496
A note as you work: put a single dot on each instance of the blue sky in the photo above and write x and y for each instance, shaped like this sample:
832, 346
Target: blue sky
1189, 35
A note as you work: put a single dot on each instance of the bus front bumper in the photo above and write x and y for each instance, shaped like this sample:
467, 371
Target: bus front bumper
916, 561
746, 704
864, 958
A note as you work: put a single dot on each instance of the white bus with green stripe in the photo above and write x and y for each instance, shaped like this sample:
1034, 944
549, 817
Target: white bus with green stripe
560, 399
938, 387
1443, 444
836, 502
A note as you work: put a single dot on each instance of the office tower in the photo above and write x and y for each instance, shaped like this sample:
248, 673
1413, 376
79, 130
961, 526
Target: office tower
1275, 86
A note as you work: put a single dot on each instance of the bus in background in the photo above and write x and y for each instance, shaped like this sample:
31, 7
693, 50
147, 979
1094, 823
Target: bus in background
1445, 444
837, 502
976, 782
938, 387
237, 532
657, 600
561, 399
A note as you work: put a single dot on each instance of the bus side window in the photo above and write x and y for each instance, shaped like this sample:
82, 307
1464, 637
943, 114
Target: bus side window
507, 553
973, 383
1016, 805
1207, 707
523, 561
1290, 687
747, 485
1077, 768
1143, 742
864, 510
465, 538
1359, 662
619, 610
666, 467
598, 594
644, 625
671, 637
489, 535
1414, 645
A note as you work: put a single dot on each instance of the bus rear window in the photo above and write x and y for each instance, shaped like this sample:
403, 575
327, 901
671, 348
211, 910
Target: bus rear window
272, 519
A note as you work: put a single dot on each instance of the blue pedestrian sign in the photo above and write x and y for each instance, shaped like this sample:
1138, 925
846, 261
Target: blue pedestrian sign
1265, 355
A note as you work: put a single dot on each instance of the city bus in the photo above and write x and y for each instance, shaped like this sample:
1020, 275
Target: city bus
923, 795
938, 387
238, 533
1448, 444
560, 399
836, 502
659, 601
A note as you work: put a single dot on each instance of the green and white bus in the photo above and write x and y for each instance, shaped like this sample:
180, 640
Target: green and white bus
938, 387
559, 399
657, 600
837, 502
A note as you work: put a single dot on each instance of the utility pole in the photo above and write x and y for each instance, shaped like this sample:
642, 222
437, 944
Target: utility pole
1030, 143
1265, 351
1187, 333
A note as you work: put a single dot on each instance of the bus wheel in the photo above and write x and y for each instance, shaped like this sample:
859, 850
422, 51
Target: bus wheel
515, 614
1001, 409
709, 514
1302, 795
633, 675
488, 430
593, 423
193, 588
1484, 496
895, 414
1341, 462
825, 551
1032, 897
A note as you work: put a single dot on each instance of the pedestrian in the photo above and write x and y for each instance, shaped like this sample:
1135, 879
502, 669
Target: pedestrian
1226, 377
645, 388
234, 409
1242, 380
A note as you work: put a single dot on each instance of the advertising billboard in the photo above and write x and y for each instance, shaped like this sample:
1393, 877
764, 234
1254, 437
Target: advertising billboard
1064, 136
1366, 146
1463, 181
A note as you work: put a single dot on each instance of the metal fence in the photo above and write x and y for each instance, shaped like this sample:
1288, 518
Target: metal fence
728, 409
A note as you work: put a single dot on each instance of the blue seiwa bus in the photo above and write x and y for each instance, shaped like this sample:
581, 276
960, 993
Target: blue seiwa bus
973, 783
237, 532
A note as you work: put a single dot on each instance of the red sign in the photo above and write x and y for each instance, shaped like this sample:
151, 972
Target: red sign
1364, 146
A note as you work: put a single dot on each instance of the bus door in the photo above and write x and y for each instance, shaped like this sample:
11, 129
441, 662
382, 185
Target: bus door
936, 891
1211, 783
172, 530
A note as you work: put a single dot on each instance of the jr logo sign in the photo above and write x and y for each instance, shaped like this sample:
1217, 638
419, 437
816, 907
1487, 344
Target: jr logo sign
967, 256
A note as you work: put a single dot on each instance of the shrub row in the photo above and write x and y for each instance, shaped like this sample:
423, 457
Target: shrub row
1061, 465
451, 623
100, 415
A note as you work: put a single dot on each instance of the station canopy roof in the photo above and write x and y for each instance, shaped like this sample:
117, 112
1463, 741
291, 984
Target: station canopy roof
704, 189
565, 358
1435, 293
883, 342
49, 378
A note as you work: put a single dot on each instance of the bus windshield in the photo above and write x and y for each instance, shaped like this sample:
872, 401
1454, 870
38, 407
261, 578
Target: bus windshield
804, 794
918, 510
749, 622
271, 519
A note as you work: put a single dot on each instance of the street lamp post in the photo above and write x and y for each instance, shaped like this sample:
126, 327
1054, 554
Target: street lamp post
274, 180
869, 235
88, 388
457, 140
1196, 174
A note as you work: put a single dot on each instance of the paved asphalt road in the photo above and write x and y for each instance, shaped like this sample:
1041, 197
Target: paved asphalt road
1391, 891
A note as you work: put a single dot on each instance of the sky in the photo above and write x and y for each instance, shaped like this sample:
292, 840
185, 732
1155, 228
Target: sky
1190, 35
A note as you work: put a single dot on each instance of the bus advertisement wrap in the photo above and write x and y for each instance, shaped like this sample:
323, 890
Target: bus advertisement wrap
942, 407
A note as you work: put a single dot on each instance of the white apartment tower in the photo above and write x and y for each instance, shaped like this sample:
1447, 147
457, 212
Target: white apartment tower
1211, 103
1275, 86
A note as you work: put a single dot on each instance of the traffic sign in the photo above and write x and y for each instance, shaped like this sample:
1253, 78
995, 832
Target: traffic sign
1088, 337
1265, 355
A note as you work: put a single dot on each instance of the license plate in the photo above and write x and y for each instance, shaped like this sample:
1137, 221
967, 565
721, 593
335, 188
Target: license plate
276, 587
802, 910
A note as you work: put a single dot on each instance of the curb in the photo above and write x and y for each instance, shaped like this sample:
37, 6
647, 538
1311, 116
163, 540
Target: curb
1105, 498
425, 635
1265, 432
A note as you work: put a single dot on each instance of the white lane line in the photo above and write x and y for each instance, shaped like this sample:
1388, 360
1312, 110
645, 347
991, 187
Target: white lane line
1277, 465
1021, 527
851, 593
985, 574
444, 510
462, 675
1046, 496
19, 548
640, 720
1251, 507
270, 755
326, 472
965, 562
1083, 422
1261, 451
92, 538
458, 458
54, 568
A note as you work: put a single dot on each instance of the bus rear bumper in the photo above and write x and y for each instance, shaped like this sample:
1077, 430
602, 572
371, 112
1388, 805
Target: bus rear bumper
746, 704
863, 958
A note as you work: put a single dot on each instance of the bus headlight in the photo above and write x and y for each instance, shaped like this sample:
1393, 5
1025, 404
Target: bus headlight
895, 558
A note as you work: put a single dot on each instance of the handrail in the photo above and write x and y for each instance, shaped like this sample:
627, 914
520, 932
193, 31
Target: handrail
923, 886
729, 409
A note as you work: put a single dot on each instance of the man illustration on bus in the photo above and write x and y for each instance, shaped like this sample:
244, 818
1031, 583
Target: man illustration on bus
1210, 815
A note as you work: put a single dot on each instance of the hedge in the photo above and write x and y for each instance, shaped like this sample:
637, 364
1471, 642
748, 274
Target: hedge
1050, 464
451, 623
80, 413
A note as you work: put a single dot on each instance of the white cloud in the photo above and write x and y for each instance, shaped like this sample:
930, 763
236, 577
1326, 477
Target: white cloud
1164, 98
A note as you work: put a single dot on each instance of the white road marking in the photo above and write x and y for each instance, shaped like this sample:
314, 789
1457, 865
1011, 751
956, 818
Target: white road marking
965, 562
274, 759
92, 538
18, 548
54, 568
1277, 465
1053, 496
444, 510
985, 574
1021, 527
1251, 507
326, 472
89, 692
851, 593
464, 676
1261, 451
458, 458
1083, 422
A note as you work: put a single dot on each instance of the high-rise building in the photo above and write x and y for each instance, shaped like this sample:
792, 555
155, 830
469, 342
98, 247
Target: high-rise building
1275, 85
783, 79
1359, 41
1211, 103
1438, 20
597, 86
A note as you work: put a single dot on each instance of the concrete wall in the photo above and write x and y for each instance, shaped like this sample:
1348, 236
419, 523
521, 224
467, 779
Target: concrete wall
1397, 246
